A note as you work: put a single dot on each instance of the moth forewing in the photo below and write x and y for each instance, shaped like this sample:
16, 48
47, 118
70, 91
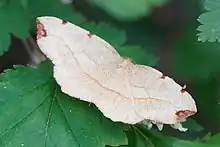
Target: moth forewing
90, 69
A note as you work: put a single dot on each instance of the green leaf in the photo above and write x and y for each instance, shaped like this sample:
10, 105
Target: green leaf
16, 16
34, 112
55, 8
127, 9
137, 139
138, 54
215, 139
141, 140
3, 2
192, 125
196, 60
210, 28
108, 32
13, 20
4, 42
117, 38
212, 5
207, 94
159, 140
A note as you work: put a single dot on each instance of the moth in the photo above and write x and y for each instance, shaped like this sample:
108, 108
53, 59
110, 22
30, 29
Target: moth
88, 68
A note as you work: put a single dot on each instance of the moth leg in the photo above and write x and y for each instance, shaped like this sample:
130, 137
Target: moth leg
90, 103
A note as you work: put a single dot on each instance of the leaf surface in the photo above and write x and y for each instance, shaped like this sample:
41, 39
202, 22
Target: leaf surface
38, 110
138, 54
132, 10
13, 20
210, 22
55, 8
156, 139
196, 60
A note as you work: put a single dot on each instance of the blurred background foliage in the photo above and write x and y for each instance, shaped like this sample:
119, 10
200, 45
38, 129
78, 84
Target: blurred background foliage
160, 33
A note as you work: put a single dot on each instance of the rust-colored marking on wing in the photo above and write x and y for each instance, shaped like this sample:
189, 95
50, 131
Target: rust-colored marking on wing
41, 32
64, 21
90, 35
